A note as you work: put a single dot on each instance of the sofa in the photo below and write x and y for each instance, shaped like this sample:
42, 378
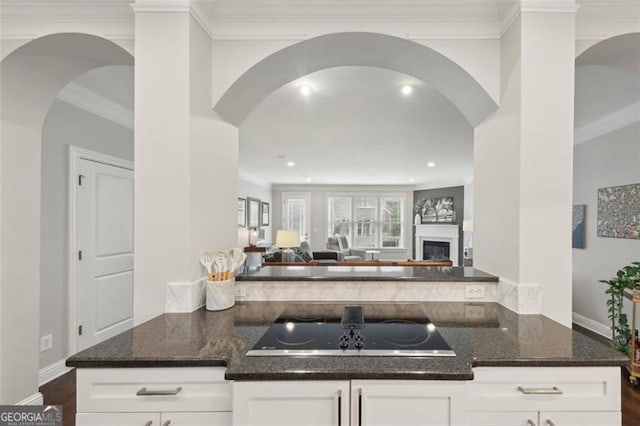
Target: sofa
303, 254
340, 245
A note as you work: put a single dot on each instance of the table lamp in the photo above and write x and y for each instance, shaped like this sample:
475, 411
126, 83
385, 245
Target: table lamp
287, 239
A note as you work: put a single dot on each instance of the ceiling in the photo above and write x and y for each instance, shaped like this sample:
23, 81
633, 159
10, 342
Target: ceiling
356, 127
114, 83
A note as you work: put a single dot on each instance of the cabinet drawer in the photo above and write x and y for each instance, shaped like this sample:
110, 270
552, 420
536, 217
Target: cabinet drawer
592, 418
141, 390
120, 419
553, 389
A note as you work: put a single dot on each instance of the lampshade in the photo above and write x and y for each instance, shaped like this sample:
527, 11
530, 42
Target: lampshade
467, 225
287, 238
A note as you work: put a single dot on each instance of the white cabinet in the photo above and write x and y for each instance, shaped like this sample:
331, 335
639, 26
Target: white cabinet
299, 403
356, 403
162, 396
196, 419
502, 418
580, 418
545, 418
410, 403
120, 419
540, 396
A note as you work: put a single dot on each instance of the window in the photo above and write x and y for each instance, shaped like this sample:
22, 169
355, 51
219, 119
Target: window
367, 220
295, 213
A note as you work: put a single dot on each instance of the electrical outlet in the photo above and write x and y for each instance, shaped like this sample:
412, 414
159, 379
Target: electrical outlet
474, 312
473, 291
46, 342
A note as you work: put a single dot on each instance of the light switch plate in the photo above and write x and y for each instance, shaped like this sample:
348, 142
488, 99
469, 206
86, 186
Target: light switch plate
46, 342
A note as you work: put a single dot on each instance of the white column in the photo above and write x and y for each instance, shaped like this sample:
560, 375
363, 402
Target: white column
186, 159
546, 165
523, 162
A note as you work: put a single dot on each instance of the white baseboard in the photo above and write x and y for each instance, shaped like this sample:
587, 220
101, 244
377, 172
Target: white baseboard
35, 399
53, 371
595, 326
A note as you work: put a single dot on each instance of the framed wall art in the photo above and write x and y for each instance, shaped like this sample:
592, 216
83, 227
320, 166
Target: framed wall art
577, 226
242, 212
253, 212
264, 220
619, 211
437, 210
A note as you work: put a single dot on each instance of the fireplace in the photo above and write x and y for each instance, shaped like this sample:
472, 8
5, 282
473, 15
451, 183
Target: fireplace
437, 236
435, 250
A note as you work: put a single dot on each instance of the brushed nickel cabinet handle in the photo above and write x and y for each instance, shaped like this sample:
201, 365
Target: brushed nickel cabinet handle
360, 407
540, 391
146, 392
167, 423
339, 397
149, 423
549, 423
531, 422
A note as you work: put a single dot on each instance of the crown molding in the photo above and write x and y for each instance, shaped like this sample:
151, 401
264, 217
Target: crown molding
249, 178
609, 123
90, 101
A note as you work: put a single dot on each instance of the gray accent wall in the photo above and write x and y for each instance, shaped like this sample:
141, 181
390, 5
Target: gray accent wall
609, 160
457, 192
66, 125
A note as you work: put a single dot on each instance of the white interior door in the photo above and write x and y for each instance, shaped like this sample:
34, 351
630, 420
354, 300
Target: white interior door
104, 240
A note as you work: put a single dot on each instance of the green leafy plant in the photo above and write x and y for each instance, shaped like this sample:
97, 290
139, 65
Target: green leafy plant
625, 279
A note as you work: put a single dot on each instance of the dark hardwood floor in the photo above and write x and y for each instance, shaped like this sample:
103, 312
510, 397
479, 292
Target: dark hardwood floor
62, 391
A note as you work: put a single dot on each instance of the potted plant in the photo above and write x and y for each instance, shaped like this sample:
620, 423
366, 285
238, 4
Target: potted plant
619, 287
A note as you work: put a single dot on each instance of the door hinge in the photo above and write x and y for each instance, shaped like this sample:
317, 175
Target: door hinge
79, 254
80, 180
80, 331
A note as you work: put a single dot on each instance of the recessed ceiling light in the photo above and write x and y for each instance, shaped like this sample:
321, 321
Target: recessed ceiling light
406, 89
412, 180
305, 90
431, 164
290, 163
307, 179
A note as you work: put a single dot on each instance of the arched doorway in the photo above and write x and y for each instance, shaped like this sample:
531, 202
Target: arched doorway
355, 49
606, 155
32, 76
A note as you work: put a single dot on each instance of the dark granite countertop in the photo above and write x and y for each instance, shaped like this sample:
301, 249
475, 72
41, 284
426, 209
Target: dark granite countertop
481, 334
367, 273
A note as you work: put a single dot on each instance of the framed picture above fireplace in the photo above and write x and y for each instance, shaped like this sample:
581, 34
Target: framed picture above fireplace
436, 210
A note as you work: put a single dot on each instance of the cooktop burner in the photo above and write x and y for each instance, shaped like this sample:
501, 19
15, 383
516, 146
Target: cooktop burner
351, 335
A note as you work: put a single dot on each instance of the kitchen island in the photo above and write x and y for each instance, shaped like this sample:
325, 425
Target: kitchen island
497, 351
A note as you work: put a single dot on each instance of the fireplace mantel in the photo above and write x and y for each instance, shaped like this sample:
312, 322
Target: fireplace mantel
443, 233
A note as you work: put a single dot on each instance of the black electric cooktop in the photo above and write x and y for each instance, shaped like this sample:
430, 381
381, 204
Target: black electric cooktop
351, 335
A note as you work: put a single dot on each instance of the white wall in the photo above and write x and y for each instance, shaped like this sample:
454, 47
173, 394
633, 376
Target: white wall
609, 160
496, 172
263, 192
66, 125
319, 208
19, 312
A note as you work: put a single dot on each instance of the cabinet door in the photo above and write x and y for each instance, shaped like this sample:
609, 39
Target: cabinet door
196, 419
580, 418
410, 403
293, 403
120, 419
502, 418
